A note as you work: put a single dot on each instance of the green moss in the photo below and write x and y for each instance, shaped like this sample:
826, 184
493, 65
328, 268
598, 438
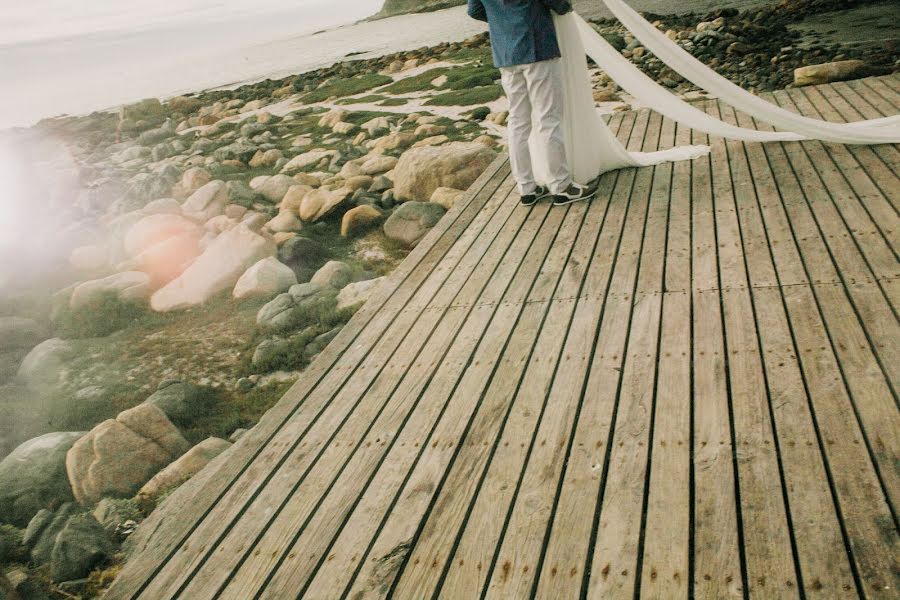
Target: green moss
102, 317
11, 548
464, 78
361, 116
371, 99
394, 102
471, 54
346, 87
478, 95
236, 410
416, 83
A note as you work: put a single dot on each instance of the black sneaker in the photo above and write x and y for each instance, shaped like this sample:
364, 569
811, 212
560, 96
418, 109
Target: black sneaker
575, 193
540, 192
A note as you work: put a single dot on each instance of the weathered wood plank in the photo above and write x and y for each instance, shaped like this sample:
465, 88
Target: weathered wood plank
474, 555
415, 495
766, 538
863, 508
427, 560
872, 222
484, 333
519, 561
815, 529
883, 160
665, 560
717, 544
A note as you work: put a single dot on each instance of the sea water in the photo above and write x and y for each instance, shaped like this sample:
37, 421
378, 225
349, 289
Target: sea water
62, 57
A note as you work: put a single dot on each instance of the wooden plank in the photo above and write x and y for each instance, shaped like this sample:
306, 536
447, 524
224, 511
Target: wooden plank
347, 550
860, 348
816, 533
854, 164
865, 515
170, 535
377, 416
766, 536
717, 553
427, 560
469, 568
416, 491
519, 561
872, 222
306, 441
883, 160
665, 560
891, 85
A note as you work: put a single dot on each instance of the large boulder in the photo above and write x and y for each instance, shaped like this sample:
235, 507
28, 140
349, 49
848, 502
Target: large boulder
294, 197
120, 455
34, 477
207, 202
154, 229
377, 165
446, 197
217, 269
409, 223
40, 535
359, 219
320, 202
168, 259
266, 278
184, 468
333, 117
308, 159
81, 545
181, 402
43, 366
92, 257
353, 294
301, 306
70, 540
334, 274
284, 222
128, 287
274, 188
265, 158
421, 171
841, 70
302, 254
395, 141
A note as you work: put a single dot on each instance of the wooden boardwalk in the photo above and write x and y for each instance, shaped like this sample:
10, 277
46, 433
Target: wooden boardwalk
686, 388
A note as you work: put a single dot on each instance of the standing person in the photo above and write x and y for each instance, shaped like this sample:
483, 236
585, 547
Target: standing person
526, 50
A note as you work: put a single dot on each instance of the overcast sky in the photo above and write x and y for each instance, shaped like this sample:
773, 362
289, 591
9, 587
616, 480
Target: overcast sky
32, 20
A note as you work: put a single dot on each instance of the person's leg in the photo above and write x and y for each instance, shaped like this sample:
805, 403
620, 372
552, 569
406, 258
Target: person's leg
519, 127
545, 89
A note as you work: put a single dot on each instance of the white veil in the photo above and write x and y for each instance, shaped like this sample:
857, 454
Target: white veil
591, 147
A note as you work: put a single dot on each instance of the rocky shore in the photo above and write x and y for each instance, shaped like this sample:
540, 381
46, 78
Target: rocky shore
206, 248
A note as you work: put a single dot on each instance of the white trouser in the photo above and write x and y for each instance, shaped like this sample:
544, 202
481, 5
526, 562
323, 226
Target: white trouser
535, 91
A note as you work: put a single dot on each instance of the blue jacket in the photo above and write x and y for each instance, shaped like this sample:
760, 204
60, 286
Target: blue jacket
522, 31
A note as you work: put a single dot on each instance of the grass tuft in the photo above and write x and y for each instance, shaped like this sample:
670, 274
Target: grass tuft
478, 95
349, 86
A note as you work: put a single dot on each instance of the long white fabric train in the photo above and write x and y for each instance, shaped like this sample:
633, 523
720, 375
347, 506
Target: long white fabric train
592, 149
876, 131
